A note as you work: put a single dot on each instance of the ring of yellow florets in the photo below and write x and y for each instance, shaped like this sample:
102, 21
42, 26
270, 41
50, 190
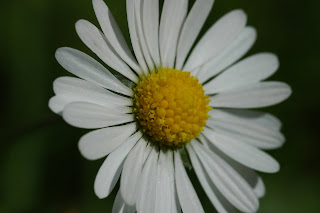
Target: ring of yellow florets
171, 107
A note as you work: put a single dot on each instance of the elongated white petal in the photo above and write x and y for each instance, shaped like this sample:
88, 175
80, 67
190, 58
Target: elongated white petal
70, 89
110, 170
147, 188
254, 135
172, 17
113, 34
97, 42
119, 206
256, 140
83, 66
163, 187
91, 116
57, 103
233, 52
216, 39
250, 70
101, 142
151, 28
252, 178
138, 6
235, 189
175, 204
256, 95
70, 86
247, 117
243, 153
188, 198
134, 35
216, 198
191, 29
256, 128
131, 173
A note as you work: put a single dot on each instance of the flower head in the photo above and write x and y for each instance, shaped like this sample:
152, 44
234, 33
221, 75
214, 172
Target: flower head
182, 98
171, 107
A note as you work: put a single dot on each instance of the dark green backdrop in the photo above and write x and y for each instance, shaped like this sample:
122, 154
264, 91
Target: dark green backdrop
41, 169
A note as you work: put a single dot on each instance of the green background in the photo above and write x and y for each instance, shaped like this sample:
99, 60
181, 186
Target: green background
41, 169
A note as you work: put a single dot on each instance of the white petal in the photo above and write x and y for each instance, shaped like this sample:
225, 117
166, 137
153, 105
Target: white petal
260, 189
139, 26
70, 89
163, 187
255, 140
248, 129
91, 116
191, 28
204, 141
119, 206
223, 32
101, 142
83, 66
247, 117
113, 34
134, 35
97, 42
216, 198
242, 152
147, 188
248, 174
188, 198
57, 103
235, 189
233, 52
255, 136
261, 94
175, 205
172, 17
147, 151
250, 70
151, 28
131, 173
70, 86
195, 72
110, 170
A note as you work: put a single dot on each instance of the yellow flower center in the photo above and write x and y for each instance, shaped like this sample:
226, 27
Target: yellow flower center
171, 107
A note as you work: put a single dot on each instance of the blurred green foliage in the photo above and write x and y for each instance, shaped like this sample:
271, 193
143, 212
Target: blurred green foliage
41, 168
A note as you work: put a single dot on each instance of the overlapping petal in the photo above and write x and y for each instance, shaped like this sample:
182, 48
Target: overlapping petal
111, 168
131, 173
216, 39
83, 66
172, 17
256, 95
113, 34
191, 28
187, 195
233, 52
70, 89
98, 43
101, 142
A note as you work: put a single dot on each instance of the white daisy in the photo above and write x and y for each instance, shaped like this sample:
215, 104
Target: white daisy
183, 98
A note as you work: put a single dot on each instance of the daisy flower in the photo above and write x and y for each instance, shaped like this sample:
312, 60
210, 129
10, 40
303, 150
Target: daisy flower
188, 102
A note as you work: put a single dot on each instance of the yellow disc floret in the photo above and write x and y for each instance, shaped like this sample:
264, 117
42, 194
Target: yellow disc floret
171, 107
